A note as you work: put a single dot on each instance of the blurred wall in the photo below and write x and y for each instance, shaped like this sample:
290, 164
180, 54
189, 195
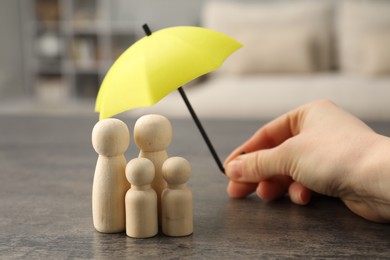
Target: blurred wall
11, 69
159, 14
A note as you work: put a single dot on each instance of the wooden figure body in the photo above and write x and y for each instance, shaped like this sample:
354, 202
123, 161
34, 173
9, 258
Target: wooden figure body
153, 135
177, 198
110, 139
141, 200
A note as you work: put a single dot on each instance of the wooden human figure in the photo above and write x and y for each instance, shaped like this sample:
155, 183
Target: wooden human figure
177, 198
141, 200
153, 135
110, 139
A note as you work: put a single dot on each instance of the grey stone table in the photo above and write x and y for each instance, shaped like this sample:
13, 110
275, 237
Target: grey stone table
47, 166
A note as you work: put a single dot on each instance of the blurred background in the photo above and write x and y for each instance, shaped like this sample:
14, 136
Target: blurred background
55, 53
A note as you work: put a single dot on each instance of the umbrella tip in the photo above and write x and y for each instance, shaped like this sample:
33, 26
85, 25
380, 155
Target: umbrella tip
147, 30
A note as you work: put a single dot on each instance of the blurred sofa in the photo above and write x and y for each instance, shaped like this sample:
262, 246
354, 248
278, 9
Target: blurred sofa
294, 52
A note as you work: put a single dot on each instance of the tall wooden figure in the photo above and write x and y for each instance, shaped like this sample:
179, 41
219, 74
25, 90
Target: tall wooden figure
153, 135
110, 139
141, 200
177, 198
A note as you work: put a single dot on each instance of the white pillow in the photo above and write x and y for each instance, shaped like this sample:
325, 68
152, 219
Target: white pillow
357, 18
237, 18
289, 50
376, 53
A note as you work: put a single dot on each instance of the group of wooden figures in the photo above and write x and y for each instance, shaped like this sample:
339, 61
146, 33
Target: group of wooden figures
148, 191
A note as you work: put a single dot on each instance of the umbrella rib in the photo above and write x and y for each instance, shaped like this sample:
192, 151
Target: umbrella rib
201, 129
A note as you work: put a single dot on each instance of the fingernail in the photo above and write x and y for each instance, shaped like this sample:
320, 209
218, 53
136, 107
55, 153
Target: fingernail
233, 169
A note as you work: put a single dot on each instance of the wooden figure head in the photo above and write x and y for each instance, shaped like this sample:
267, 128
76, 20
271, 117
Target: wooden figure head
152, 133
110, 137
176, 170
140, 171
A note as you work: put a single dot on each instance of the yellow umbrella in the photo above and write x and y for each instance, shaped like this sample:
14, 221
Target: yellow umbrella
159, 63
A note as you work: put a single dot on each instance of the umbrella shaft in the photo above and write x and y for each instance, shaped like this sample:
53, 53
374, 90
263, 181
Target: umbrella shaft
201, 129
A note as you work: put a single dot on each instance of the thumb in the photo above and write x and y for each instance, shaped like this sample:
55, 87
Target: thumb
257, 166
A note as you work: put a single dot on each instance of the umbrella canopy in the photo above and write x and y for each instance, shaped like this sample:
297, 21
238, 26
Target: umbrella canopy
159, 63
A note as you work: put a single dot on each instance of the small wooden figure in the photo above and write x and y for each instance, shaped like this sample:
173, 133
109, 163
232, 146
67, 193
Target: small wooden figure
141, 200
153, 135
177, 198
110, 139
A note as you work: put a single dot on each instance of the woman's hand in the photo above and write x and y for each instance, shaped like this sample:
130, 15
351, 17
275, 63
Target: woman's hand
317, 147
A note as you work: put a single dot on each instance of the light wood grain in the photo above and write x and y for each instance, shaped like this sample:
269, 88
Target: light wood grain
110, 139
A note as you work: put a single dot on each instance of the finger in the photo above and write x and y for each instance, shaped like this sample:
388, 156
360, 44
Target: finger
240, 190
272, 134
273, 188
261, 165
299, 194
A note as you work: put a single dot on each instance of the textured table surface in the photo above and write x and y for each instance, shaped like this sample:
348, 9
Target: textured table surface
47, 166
